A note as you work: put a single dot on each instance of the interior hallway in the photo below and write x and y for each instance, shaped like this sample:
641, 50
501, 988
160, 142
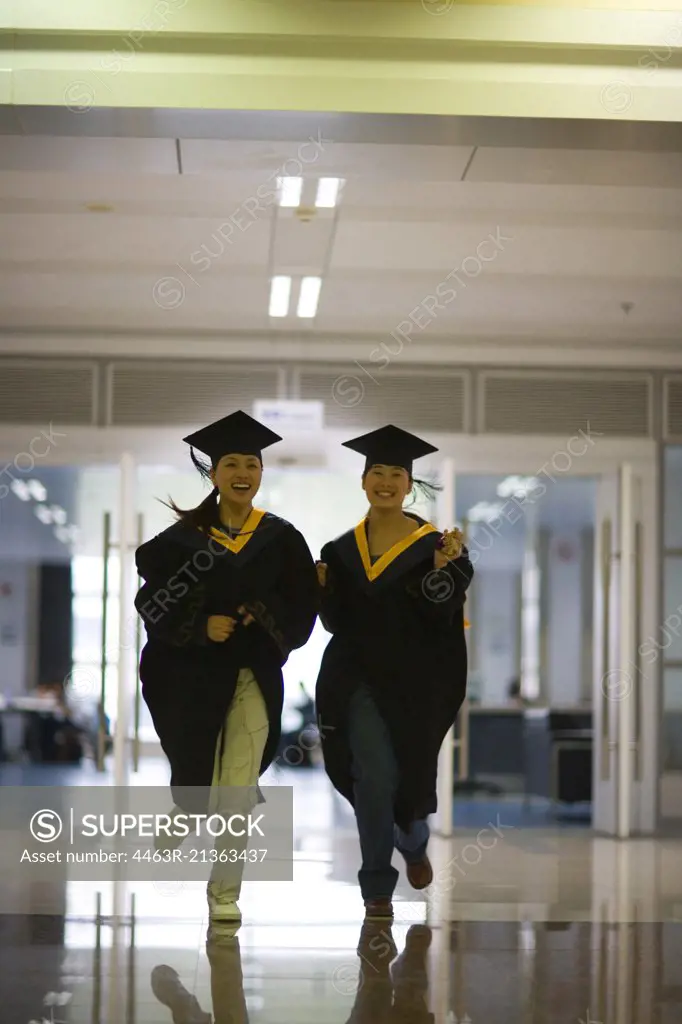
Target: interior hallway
524, 925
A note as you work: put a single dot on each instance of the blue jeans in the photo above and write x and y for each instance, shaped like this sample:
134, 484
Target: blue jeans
375, 784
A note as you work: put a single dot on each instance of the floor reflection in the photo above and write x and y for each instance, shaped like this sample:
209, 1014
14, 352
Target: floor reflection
387, 988
458, 973
541, 928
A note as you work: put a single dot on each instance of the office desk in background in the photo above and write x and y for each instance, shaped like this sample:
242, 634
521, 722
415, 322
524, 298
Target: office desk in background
536, 751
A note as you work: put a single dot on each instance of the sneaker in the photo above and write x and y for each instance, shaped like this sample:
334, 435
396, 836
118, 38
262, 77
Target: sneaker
378, 910
222, 905
420, 874
170, 991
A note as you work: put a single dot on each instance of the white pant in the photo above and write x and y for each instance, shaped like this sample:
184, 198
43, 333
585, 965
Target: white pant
238, 757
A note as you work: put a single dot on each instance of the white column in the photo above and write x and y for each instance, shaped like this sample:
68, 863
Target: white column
530, 611
626, 659
126, 682
446, 772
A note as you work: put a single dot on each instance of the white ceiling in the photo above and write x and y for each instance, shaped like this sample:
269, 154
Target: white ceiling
586, 231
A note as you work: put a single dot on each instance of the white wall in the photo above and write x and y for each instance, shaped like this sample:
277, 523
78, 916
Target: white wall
496, 623
496, 632
564, 640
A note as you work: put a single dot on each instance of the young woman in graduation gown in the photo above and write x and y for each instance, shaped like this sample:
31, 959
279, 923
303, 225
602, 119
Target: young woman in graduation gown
229, 590
393, 676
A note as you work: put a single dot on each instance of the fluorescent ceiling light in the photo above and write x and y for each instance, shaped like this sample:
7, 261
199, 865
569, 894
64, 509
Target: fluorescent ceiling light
58, 515
290, 191
280, 295
43, 513
484, 512
66, 534
21, 489
517, 486
327, 192
37, 490
308, 299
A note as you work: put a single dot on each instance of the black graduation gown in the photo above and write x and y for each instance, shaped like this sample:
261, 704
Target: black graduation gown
188, 681
398, 628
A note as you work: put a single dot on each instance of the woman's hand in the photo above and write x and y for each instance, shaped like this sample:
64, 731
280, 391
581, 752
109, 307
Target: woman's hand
247, 617
449, 548
321, 573
220, 627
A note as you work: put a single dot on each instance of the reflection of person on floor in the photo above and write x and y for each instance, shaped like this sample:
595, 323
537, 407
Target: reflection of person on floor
229, 591
169, 990
227, 986
393, 676
227, 980
392, 993
389, 991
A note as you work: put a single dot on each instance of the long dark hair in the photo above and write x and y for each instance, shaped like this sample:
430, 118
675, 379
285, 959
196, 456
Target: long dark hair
203, 516
423, 489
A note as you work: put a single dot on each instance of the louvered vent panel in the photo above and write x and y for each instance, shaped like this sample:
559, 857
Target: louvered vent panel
617, 406
158, 394
423, 401
673, 409
45, 391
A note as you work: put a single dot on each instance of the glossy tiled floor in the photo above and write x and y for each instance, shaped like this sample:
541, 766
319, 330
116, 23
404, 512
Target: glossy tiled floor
523, 926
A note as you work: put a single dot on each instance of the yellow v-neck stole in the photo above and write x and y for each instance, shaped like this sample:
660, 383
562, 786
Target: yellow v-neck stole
373, 571
235, 544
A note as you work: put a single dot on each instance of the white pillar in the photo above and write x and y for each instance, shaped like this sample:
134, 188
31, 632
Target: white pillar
530, 611
446, 511
626, 654
126, 682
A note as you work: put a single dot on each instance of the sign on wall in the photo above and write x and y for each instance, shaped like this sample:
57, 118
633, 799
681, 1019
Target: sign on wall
290, 417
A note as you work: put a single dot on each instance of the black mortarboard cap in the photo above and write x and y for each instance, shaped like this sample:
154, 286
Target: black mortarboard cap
237, 433
390, 446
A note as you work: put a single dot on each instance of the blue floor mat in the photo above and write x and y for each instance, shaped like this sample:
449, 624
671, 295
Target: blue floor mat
470, 812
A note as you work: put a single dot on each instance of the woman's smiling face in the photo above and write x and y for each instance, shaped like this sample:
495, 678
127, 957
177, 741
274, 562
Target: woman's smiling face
386, 486
238, 477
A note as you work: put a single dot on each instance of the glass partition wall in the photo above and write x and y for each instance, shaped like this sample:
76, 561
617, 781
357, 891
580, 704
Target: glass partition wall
666, 646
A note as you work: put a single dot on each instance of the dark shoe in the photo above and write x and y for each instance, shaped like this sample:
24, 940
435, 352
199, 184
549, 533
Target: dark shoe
170, 991
378, 910
420, 874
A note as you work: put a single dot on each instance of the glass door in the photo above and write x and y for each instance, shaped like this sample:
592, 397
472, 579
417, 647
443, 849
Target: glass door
623, 690
95, 572
665, 646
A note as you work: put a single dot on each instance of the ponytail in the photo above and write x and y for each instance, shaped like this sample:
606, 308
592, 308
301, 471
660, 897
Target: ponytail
424, 489
203, 517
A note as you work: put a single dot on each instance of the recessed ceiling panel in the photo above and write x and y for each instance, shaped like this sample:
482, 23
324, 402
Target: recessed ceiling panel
102, 156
